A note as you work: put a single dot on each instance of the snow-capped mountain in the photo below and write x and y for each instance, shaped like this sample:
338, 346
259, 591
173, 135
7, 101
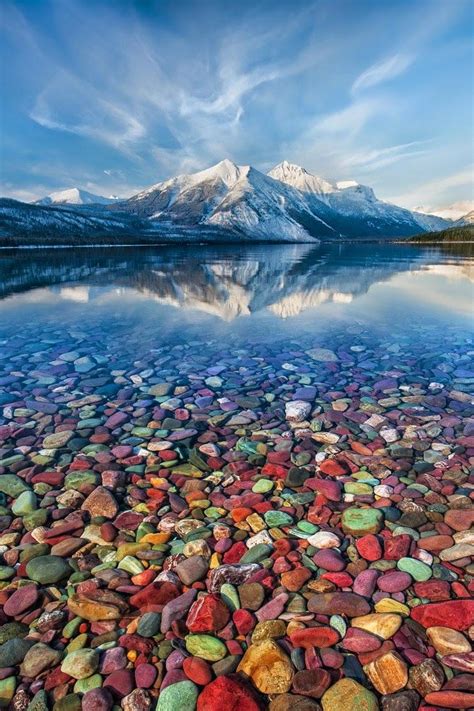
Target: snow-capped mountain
357, 211
235, 199
456, 211
75, 196
466, 219
223, 203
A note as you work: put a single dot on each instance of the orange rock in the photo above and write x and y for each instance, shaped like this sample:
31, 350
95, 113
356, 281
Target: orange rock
388, 673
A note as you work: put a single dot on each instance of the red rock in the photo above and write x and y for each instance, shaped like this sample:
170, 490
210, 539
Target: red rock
294, 580
339, 603
451, 699
21, 600
434, 590
207, 614
435, 543
369, 547
244, 621
459, 519
357, 640
154, 596
314, 637
396, 547
198, 670
136, 643
120, 682
332, 468
456, 614
228, 693
330, 489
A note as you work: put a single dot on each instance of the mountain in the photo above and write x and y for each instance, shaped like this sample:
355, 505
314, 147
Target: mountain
357, 212
238, 200
26, 224
455, 212
224, 203
466, 219
74, 196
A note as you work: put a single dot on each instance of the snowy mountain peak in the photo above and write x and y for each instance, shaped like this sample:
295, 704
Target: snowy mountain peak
456, 211
298, 177
226, 170
74, 196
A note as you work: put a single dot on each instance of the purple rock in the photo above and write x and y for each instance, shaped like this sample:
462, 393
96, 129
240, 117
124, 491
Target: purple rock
176, 609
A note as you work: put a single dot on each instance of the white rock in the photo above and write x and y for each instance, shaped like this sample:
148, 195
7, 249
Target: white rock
297, 410
324, 539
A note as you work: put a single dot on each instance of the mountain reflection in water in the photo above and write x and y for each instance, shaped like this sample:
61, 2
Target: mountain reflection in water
283, 280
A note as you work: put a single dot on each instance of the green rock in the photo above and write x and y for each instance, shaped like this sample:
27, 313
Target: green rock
6, 572
57, 439
25, 503
359, 522
39, 702
91, 682
71, 702
418, 570
262, 486
277, 518
206, 647
80, 479
11, 630
7, 691
149, 624
14, 651
256, 553
12, 485
47, 569
181, 696
81, 663
230, 596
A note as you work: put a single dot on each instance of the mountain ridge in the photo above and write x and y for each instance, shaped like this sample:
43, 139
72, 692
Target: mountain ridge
228, 202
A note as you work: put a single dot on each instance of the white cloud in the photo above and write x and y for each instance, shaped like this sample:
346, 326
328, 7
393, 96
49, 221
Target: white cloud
436, 192
382, 71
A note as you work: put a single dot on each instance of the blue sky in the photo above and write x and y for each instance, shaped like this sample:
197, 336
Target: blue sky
115, 96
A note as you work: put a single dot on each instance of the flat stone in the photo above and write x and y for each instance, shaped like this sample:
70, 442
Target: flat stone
268, 667
349, 695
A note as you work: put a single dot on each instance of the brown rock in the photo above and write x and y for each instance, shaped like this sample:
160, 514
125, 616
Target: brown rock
426, 677
101, 502
388, 673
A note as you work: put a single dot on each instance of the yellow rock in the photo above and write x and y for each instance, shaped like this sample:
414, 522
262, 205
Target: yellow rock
269, 668
269, 629
92, 610
388, 673
215, 561
197, 547
131, 549
156, 538
387, 604
349, 695
383, 625
448, 641
256, 522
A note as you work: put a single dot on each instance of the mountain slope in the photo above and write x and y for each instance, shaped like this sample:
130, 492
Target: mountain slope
461, 233
356, 211
74, 196
235, 199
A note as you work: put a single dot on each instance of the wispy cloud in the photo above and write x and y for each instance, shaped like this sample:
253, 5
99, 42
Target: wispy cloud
382, 71
434, 192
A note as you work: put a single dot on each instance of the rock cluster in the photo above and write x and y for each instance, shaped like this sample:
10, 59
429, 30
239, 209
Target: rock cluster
283, 528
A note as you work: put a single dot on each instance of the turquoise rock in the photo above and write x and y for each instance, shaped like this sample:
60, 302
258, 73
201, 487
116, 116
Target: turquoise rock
178, 697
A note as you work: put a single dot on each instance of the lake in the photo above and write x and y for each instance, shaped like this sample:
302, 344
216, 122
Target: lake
277, 426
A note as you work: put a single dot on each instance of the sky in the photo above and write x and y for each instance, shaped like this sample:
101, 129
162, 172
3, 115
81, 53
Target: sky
115, 96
